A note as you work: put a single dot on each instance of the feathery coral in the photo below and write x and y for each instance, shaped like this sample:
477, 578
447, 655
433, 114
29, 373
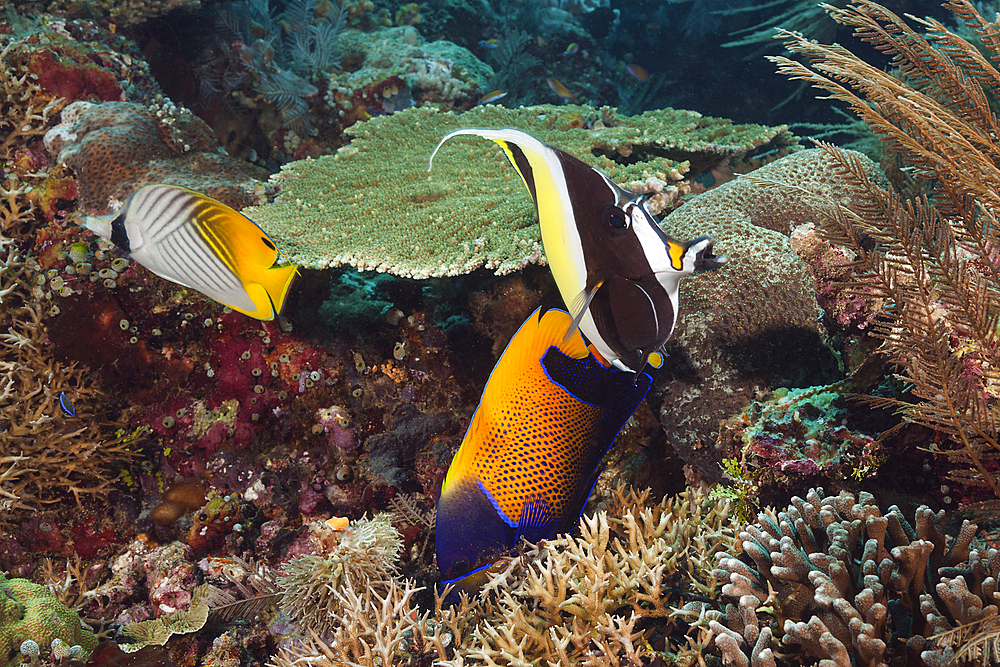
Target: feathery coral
361, 556
933, 258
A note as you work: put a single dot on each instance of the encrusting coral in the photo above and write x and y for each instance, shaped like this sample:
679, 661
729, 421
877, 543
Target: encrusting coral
116, 147
733, 323
379, 209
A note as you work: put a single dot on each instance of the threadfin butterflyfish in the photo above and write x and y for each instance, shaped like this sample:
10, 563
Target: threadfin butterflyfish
616, 270
199, 242
529, 460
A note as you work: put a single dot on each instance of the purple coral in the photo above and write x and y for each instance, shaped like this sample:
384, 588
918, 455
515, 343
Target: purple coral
335, 422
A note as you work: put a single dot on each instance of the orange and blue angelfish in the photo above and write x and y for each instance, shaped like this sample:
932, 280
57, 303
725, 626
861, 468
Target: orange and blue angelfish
549, 413
559, 88
198, 242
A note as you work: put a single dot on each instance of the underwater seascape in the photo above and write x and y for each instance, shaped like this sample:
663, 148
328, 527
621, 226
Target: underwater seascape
512, 332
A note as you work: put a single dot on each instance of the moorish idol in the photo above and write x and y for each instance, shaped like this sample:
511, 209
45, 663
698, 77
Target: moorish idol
199, 242
616, 270
529, 460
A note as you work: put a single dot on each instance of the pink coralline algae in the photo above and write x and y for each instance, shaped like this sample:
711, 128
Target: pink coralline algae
335, 422
804, 432
165, 576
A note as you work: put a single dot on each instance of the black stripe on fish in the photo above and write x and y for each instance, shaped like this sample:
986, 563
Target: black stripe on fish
523, 167
118, 234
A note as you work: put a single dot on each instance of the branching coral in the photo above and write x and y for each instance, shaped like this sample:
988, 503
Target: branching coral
587, 600
583, 596
24, 109
832, 576
932, 259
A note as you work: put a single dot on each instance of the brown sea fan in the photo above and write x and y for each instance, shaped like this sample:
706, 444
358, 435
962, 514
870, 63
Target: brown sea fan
933, 258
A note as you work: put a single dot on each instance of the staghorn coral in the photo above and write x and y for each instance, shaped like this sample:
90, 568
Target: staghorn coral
589, 599
581, 596
25, 109
378, 209
116, 147
930, 255
62, 456
831, 577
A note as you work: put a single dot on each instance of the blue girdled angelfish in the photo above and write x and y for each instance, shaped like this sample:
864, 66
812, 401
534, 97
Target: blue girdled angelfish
616, 270
199, 242
533, 451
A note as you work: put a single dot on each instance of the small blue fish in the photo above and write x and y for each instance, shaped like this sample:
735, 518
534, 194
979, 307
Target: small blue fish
67, 405
488, 43
572, 49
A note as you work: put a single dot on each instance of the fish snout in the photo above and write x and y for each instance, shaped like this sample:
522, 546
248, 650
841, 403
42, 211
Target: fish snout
705, 259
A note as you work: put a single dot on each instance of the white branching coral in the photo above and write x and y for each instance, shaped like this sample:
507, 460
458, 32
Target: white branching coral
577, 600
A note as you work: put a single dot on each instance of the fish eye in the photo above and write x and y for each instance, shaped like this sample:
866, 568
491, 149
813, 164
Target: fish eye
460, 567
615, 217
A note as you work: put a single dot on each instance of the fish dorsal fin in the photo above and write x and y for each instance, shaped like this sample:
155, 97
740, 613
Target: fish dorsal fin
100, 225
538, 333
514, 143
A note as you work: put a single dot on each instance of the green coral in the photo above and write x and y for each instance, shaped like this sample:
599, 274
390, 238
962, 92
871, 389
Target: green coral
179, 622
374, 206
31, 611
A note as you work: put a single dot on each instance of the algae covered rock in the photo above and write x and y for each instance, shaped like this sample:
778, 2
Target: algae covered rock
29, 611
753, 325
374, 205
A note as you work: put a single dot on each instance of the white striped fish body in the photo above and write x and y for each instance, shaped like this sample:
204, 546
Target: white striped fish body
200, 243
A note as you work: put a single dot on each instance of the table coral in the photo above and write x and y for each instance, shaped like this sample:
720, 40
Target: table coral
29, 611
374, 206
761, 307
116, 147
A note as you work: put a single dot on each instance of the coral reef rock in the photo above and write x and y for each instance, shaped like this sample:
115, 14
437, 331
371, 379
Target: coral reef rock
117, 147
761, 308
